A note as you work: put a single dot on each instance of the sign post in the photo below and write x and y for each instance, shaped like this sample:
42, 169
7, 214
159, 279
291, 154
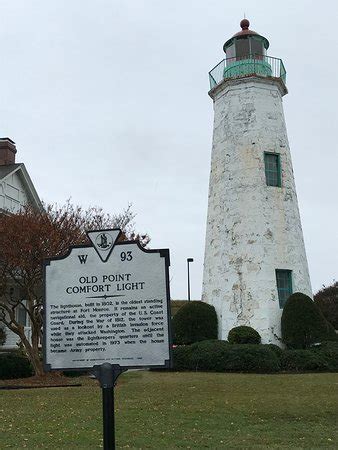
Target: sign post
107, 310
107, 375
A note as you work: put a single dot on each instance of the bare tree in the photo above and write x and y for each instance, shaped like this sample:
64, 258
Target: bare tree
327, 301
30, 236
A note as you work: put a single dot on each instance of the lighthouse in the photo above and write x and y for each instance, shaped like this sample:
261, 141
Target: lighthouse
254, 250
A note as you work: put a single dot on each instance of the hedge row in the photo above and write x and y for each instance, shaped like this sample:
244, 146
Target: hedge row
321, 358
13, 365
220, 356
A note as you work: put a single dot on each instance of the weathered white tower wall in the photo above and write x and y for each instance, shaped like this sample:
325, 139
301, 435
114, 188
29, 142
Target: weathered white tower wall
252, 228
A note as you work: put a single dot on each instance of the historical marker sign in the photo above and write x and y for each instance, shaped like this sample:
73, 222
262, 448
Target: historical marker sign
107, 303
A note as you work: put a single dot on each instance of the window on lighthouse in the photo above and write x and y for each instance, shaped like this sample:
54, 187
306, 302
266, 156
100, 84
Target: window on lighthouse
284, 285
272, 169
242, 48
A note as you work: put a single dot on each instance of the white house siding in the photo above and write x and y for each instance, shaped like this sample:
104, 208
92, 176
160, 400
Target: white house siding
12, 193
11, 340
252, 229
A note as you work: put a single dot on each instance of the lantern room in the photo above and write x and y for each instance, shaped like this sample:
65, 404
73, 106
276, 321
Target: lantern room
246, 44
246, 56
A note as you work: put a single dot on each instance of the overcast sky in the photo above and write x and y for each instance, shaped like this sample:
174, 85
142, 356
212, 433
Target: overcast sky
107, 103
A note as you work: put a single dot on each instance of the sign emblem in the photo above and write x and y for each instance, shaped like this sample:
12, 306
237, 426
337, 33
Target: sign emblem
104, 241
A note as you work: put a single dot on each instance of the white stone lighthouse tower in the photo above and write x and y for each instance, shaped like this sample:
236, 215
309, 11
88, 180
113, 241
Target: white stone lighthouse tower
254, 251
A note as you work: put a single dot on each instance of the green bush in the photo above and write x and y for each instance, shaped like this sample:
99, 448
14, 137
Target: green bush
181, 357
329, 351
304, 360
13, 365
303, 324
277, 350
195, 321
220, 356
3, 336
243, 335
206, 355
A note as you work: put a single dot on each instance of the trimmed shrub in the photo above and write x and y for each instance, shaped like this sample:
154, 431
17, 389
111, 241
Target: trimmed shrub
195, 321
220, 356
277, 350
329, 350
303, 324
13, 365
304, 360
3, 336
181, 358
243, 335
327, 301
207, 355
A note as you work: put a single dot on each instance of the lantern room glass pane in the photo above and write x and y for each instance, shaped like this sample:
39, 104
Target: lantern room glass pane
242, 48
256, 46
231, 53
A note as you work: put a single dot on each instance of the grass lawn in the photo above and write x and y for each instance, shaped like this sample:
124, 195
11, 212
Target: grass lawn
179, 410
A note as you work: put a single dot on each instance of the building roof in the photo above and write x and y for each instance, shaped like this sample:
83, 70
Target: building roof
21, 170
7, 169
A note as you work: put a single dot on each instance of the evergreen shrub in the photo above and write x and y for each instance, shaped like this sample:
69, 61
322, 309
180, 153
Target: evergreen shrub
3, 336
328, 350
195, 321
181, 358
304, 360
277, 350
303, 324
244, 335
13, 365
220, 356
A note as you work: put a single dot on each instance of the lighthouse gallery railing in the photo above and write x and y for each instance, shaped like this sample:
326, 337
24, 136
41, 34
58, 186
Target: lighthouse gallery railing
237, 67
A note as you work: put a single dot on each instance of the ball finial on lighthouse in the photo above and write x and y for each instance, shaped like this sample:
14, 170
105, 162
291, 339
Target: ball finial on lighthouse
244, 24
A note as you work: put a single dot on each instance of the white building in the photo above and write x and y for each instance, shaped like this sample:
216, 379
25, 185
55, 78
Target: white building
254, 250
16, 190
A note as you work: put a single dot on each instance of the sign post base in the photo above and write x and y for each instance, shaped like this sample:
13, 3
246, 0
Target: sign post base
107, 375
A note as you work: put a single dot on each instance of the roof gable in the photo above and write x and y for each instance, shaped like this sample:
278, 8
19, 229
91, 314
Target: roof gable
7, 169
16, 188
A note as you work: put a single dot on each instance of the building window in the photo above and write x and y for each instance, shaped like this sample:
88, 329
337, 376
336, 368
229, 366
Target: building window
284, 285
272, 169
22, 315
